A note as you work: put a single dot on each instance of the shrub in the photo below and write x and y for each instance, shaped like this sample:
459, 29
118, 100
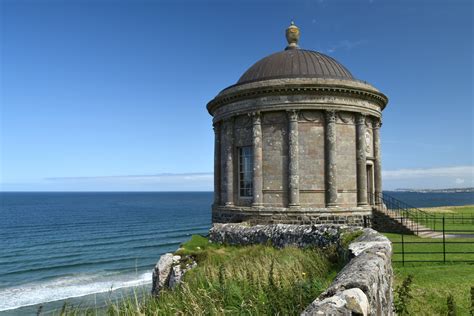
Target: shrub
403, 296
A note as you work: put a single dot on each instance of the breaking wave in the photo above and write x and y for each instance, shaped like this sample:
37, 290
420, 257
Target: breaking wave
68, 287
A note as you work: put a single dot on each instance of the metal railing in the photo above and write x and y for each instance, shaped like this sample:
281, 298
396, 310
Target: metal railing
419, 221
409, 216
435, 249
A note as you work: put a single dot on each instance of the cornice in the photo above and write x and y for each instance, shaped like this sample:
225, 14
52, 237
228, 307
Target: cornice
227, 97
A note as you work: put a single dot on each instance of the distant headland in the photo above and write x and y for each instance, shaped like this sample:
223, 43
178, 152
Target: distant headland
451, 190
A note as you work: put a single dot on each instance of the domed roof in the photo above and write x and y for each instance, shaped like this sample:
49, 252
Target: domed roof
295, 63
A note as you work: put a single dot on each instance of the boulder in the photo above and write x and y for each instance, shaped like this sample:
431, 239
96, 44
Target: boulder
161, 273
348, 302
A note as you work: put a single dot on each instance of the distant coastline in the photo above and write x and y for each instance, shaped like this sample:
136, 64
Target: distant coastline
451, 190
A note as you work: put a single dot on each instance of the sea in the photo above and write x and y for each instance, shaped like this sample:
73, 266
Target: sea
92, 248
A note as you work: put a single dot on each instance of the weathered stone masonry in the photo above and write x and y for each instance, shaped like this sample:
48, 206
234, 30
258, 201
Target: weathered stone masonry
315, 139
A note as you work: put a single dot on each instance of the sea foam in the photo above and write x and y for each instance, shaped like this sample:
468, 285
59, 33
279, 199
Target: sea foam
68, 287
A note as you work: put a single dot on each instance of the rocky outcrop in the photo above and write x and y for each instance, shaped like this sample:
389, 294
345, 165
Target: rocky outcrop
161, 272
364, 285
169, 272
278, 235
177, 273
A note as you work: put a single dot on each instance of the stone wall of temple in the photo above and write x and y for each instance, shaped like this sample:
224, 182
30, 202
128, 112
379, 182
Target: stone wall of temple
275, 158
316, 157
311, 158
346, 160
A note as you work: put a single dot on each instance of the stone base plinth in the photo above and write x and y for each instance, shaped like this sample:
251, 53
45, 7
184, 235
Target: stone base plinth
356, 216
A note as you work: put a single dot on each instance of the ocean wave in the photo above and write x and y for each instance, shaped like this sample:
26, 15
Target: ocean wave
68, 287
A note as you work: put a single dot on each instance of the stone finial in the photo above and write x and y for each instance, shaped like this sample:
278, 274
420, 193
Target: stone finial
292, 36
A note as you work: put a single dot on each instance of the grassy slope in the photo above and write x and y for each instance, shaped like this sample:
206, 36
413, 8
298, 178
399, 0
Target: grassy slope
431, 245
253, 280
433, 282
456, 217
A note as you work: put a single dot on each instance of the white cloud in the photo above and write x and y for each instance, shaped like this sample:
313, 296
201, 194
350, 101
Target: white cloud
197, 181
345, 44
429, 178
460, 171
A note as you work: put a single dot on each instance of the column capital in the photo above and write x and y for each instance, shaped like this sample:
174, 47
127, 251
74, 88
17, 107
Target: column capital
330, 116
256, 117
377, 123
293, 115
360, 119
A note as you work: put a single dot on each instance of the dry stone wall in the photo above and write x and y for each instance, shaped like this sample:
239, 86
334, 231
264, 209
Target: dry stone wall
362, 287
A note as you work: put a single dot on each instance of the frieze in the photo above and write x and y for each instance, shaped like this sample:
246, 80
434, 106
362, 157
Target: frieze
243, 121
234, 109
345, 118
311, 116
296, 93
274, 118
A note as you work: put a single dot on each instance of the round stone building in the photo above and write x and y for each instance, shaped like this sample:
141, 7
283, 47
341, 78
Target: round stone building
296, 141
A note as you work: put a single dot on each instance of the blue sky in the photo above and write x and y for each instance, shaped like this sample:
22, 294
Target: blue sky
111, 95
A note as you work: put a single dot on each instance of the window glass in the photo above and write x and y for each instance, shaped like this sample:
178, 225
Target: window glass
245, 171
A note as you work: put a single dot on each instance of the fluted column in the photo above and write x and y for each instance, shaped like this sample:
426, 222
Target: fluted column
377, 161
361, 160
257, 160
228, 162
217, 163
293, 172
330, 161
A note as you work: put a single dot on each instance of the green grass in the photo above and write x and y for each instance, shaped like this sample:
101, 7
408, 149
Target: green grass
433, 282
431, 245
466, 210
458, 219
250, 280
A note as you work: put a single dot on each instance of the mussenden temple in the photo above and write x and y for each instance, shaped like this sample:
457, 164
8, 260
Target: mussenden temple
297, 141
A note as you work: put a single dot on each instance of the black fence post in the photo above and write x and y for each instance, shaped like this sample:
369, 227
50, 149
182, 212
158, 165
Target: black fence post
403, 251
444, 243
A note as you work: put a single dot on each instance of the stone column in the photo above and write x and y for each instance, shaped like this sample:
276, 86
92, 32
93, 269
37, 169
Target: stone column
361, 160
377, 161
228, 162
330, 161
293, 172
257, 160
217, 163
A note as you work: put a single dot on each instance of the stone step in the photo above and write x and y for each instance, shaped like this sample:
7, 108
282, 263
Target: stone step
429, 234
418, 229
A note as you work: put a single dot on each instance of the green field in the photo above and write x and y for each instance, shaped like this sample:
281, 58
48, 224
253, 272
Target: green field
414, 248
433, 282
458, 219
